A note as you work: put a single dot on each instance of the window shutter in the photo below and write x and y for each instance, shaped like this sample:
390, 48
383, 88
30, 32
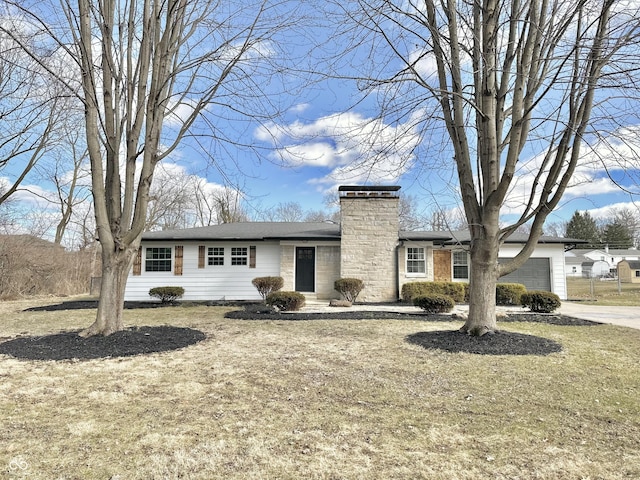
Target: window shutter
177, 270
201, 250
252, 257
137, 262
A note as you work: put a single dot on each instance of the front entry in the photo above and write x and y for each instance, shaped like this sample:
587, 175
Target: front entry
305, 269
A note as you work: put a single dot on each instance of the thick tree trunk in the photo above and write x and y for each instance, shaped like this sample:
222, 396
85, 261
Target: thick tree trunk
115, 269
482, 288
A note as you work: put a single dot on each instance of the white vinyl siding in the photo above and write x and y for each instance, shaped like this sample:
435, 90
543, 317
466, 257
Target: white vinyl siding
214, 282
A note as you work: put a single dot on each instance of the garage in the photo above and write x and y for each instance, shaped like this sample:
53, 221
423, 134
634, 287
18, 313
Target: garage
535, 274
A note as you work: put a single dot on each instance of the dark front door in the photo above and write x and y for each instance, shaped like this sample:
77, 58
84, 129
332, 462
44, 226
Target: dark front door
305, 269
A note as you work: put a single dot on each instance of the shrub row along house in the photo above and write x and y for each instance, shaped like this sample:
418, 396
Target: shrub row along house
218, 262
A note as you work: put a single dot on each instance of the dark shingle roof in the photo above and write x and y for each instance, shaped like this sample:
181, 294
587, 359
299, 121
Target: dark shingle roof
464, 236
312, 231
633, 264
252, 231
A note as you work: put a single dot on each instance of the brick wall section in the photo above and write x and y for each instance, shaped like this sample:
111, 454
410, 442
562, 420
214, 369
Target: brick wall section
369, 239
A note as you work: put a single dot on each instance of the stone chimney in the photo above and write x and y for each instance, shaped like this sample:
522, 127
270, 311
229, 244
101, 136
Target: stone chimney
369, 238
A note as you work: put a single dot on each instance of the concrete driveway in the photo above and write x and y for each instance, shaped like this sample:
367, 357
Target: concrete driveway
623, 316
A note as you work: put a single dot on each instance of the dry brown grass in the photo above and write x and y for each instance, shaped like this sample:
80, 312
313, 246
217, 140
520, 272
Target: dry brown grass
603, 293
320, 400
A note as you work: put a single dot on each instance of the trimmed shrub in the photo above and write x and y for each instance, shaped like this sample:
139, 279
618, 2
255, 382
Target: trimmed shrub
267, 285
540, 301
349, 288
509, 293
167, 294
286, 301
434, 303
454, 290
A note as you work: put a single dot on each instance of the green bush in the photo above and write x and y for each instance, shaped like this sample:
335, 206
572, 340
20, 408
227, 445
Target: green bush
455, 290
286, 301
540, 301
509, 293
434, 303
267, 285
349, 288
167, 294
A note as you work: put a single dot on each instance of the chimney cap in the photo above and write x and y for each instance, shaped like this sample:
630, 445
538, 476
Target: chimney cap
369, 188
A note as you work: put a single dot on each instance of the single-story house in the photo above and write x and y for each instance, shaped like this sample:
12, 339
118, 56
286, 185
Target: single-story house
595, 269
573, 264
218, 262
597, 262
629, 271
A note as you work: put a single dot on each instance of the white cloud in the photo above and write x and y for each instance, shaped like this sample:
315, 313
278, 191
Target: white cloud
354, 147
299, 108
607, 211
616, 155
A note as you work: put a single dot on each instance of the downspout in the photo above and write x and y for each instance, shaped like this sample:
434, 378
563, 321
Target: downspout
397, 262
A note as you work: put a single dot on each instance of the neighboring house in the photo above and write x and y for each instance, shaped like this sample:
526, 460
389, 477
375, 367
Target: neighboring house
609, 255
573, 264
629, 271
219, 262
595, 269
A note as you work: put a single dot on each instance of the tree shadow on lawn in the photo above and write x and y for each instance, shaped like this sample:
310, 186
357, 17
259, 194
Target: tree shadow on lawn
126, 343
499, 343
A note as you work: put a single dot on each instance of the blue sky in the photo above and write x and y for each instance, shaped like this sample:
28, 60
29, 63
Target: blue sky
329, 135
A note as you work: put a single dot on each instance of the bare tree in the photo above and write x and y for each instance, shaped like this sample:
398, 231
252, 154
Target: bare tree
149, 70
503, 81
29, 111
284, 212
66, 168
170, 201
215, 205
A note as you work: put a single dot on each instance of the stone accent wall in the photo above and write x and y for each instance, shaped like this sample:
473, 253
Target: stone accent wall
369, 238
287, 267
327, 271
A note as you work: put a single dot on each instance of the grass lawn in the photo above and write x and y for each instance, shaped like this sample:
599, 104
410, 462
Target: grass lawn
319, 400
603, 292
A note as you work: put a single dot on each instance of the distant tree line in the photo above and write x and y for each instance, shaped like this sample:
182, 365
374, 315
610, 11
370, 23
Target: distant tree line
620, 231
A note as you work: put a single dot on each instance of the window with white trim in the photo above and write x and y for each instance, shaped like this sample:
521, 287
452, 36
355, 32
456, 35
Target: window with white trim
460, 265
158, 259
239, 255
215, 256
416, 260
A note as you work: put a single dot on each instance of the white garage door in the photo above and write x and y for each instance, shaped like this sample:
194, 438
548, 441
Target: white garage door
535, 274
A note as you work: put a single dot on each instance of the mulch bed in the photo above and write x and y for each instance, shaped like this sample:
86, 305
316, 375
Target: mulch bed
126, 343
499, 343
552, 319
144, 340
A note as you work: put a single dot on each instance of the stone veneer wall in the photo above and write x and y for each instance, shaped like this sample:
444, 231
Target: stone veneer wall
287, 266
369, 239
327, 269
